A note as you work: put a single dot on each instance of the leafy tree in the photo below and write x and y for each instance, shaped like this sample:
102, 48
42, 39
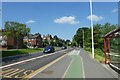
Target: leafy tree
15, 29
45, 43
55, 37
68, 42
78, 37
99, 32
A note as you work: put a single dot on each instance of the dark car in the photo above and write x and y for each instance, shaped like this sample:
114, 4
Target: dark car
49, 49
64, 47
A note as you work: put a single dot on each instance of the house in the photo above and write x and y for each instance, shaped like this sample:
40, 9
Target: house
14, 42
47, 37
10, 41
33, 40
3, 42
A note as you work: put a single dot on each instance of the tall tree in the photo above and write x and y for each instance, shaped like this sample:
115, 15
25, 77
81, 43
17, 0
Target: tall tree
99, 32
15, 29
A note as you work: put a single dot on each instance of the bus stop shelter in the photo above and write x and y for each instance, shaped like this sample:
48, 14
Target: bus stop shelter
112, 48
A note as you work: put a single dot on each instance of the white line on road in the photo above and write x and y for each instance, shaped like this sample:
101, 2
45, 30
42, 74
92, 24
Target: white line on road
82, 67
82, 64
29, 59
46, 66
67, 69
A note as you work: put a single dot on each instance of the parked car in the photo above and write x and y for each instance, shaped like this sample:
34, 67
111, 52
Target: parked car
64, 47
49, 49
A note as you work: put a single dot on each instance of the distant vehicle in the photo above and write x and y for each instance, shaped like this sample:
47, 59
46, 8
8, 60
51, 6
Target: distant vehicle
49, 49
64, 47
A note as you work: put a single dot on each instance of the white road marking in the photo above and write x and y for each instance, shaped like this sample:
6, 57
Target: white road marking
67, 69
29, 59
49, 65
82, 67
75, 52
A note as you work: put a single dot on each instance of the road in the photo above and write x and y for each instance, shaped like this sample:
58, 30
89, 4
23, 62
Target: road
64, 64
25, 67
13, 59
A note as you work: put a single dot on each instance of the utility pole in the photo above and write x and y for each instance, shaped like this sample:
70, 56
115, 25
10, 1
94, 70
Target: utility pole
91, 13
83, 38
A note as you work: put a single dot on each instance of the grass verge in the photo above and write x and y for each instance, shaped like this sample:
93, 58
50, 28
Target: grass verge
99, 55
6, 53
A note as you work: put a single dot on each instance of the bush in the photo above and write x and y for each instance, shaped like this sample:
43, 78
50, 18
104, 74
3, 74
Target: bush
99, 52
88, 49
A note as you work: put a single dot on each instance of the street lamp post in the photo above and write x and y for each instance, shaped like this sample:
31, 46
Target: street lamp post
92, 28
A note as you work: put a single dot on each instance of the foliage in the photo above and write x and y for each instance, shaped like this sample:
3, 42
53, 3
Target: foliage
15, 29
45, 43
99, 32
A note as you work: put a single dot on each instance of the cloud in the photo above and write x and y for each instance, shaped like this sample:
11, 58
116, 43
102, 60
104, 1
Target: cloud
95, 18
30, 21
115, 10
66, 19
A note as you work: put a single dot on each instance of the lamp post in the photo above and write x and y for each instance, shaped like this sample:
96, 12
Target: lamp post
91, 13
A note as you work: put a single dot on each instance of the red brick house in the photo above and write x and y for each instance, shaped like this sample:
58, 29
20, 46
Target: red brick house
47, 37
33, 40
10, 41
14, 43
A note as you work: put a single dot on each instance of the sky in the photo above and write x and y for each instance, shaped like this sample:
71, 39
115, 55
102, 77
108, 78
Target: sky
59, 0
58, 18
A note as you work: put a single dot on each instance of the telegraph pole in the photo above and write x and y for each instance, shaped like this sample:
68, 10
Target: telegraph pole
83, 38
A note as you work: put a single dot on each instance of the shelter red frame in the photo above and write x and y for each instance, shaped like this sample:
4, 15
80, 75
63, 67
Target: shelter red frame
107, 43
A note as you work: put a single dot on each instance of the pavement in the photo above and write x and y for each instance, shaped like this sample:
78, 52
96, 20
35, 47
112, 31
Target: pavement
94, 69
66, 64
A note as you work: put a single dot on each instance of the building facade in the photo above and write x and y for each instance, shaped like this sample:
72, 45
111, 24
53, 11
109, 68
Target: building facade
33, 41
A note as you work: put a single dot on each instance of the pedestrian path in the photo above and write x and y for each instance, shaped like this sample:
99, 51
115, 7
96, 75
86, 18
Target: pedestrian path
94, 69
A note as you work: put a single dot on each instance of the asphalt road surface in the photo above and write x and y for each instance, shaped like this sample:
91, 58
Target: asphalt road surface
24, 68
65, 64
13, 59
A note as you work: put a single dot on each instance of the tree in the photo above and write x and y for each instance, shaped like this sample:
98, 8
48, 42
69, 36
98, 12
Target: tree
15, 30
45, 43
78, 37
68, 42
99, 32
55, 37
